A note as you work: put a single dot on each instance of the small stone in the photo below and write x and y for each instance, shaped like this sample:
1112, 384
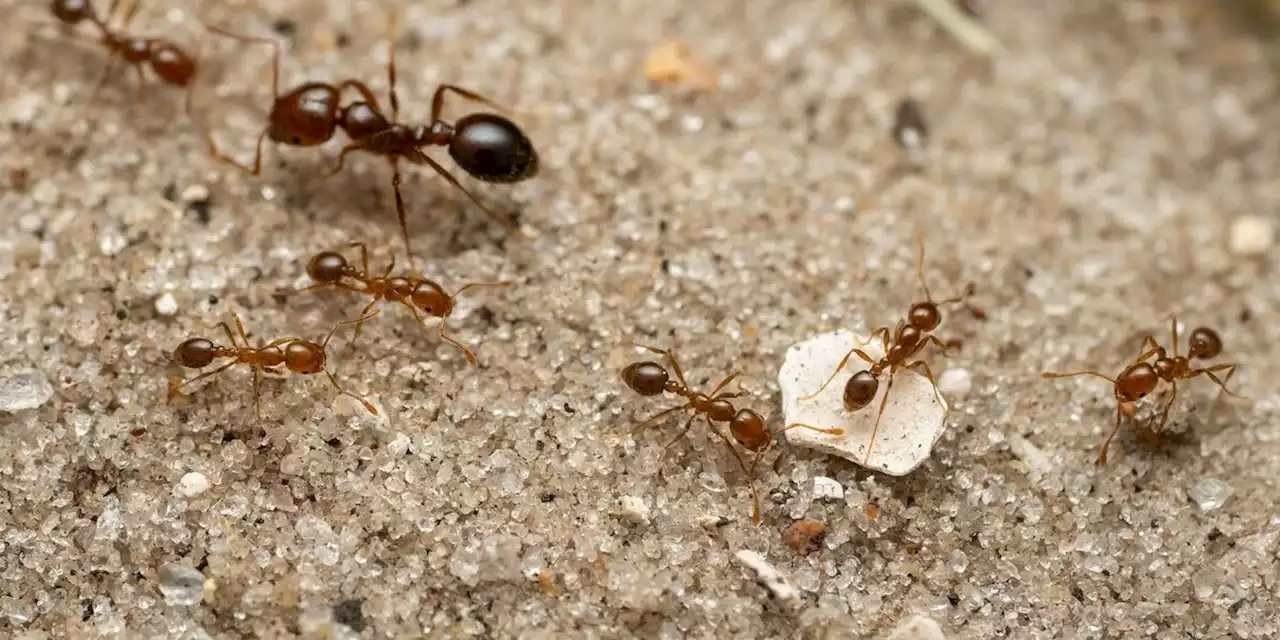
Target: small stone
1251, 235
672, 63
955, 383
805, 536
181, 585
1210, 494
913, 421
348, 613
825, 488
167, 305
193, 484
634, 509
24, 389
772, 579
195, 193
1034, 457
918, 627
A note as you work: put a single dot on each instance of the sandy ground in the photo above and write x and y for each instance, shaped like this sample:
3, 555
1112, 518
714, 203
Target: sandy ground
1087, 181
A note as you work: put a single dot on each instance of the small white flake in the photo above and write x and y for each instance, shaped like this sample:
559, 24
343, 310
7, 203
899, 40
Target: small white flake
955, 383
772, 579
1250, 235
22, 390
825, 488
195, 193
167, 305
634, 509
1210, 494
917, 627
193, 484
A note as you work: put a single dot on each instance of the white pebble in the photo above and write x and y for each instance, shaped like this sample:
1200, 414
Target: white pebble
955, 382
1210, 494
913, 419
181, 585
1250, 235
193, 484
22, 390
917, 627
195, 193
772, 579
1034, 457
634, 509
825, 488
167, 305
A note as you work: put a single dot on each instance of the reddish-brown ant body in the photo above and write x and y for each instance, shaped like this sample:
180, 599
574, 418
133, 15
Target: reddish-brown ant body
332, 269
170, 62
908, 338
295, 354
487, 146
1144, 375
649, 378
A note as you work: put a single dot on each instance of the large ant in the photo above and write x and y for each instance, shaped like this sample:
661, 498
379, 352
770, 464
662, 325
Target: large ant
487, 146
168, 61
1141, 378
331, 269
296, 354
909, 337
649, 378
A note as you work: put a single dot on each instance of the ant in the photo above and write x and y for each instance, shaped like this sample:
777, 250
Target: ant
1141, 378
487, 146
908, 338
331, 269
296, 354
649, 378
168, 61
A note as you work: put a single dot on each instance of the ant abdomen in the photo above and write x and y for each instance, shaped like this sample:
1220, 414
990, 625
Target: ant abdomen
860, 390
306, 116
645, 378
492, 148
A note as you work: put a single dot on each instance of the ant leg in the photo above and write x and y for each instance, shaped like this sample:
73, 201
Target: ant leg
240, 325
928, 373
1048, 375
1164, 416
404, 218
751, 480
363, 312
1102, 454
941, 345
364, 255
969, 290
252, 169
715, 392
437, 100
1173, 328
843, 361
502, 283
1144, 352
831, 431
647, 422
365, 92
418, 157
872, 338
129, 14
675, 364
357, 321
391, 67
230, 336
368, 406
683, 432
1231, 371
391, 266
257, 395
342, 158
177, 383
879, 414
106, 76
471, 357
920, 265
256, 167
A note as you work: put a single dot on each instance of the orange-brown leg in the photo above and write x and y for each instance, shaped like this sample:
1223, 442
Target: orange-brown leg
368, 406
879, 414
254, 168
675, 363
928, 373
751, 480
843, 361
1106, 444
418, 157
176, 384
437, 100
648, 422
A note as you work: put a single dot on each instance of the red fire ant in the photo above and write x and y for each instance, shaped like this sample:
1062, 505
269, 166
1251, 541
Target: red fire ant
331, 269
168, 61
296, 354
649, 378
1142, 378
487, 146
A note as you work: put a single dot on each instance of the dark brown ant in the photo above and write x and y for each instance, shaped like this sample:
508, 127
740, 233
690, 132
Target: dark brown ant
1142, 378
649, 378
170, 63
909, 337
331, 269
296, 354
487, 146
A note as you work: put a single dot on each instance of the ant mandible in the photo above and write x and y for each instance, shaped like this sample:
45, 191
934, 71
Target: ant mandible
909, 337
331, 269
1141, 378
487, 146
649, 378
296, 354
168, 61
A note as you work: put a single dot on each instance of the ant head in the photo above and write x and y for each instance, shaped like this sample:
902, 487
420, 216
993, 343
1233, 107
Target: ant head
1205, 343
432, 299
645, 378
749, 429
306, 116
1136, 382
924, 316
860, 390
304, 357
327, 266
492, 148
194, 353
70, 12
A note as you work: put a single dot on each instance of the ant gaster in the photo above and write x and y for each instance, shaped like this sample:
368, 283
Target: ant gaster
331, 269
487, 146
649, 378
167, 60
908, 338
1142, 377
295, 354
